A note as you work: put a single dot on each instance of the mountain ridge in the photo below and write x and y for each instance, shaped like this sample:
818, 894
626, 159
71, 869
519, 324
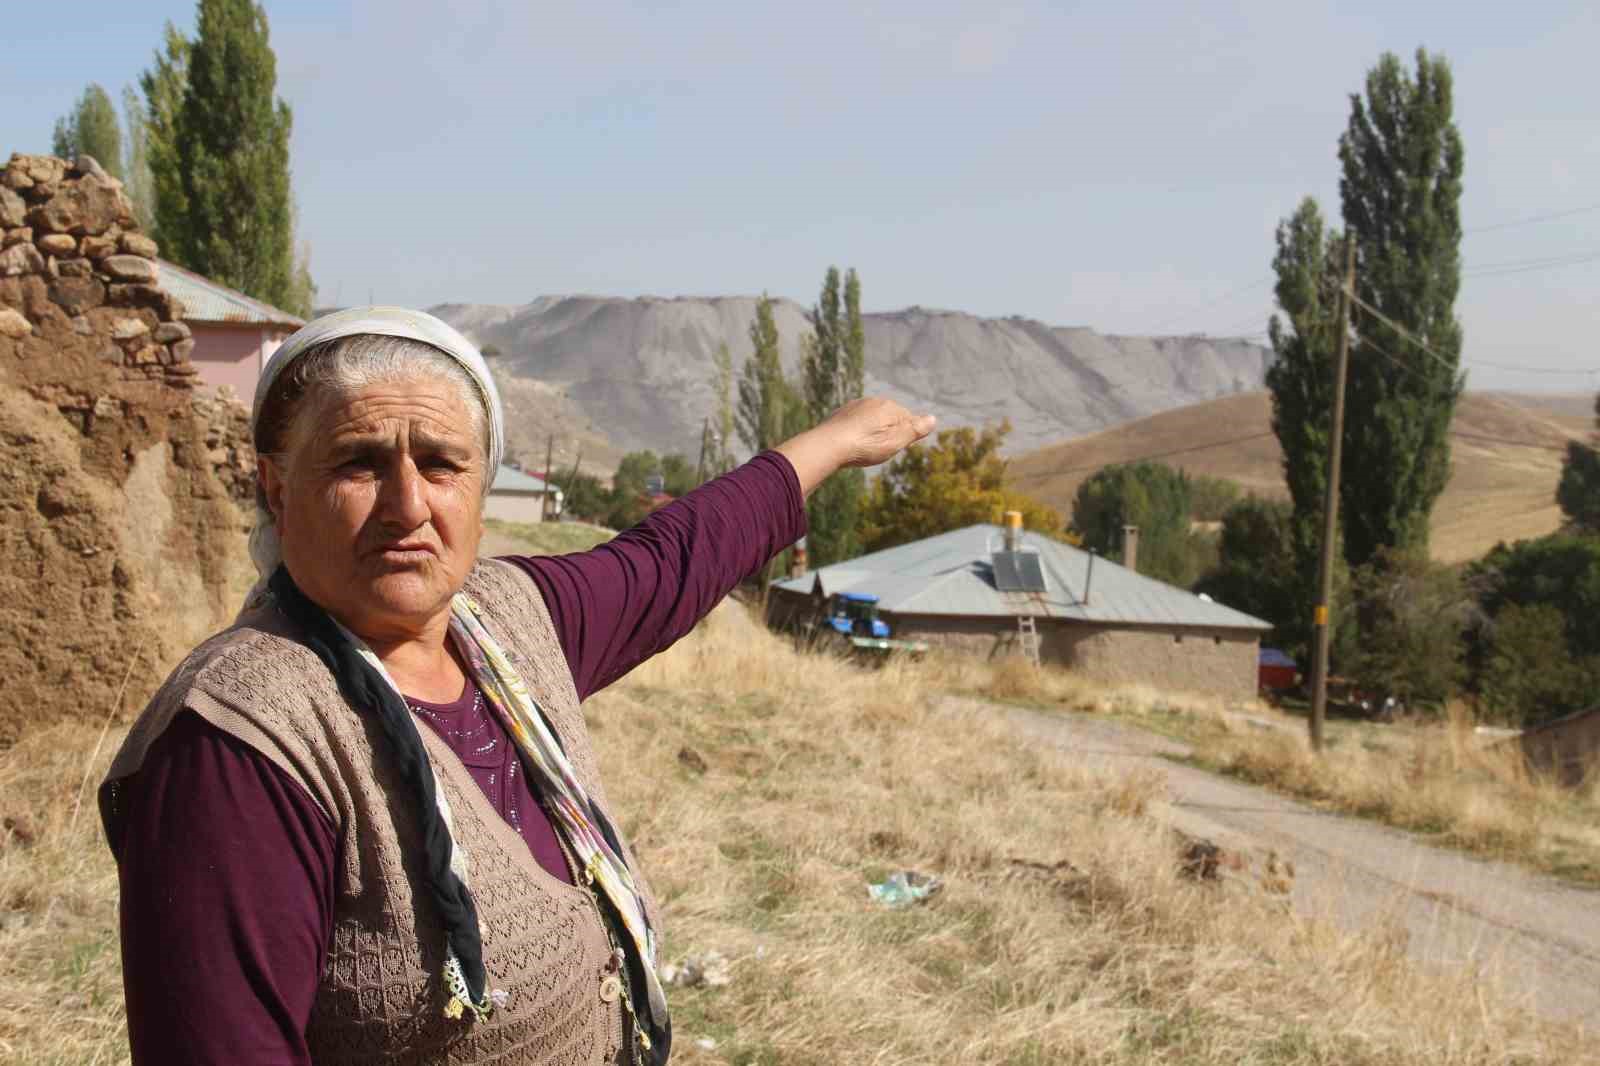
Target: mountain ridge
641, 368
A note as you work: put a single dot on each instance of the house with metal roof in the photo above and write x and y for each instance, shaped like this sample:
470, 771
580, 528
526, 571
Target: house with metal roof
233, 334
519, 497
993, 591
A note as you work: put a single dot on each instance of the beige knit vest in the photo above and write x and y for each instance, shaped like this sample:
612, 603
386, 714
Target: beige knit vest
381, 999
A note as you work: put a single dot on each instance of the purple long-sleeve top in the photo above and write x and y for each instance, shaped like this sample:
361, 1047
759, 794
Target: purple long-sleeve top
227, 864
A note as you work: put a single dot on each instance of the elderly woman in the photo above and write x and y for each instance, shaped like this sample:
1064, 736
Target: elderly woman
364, 824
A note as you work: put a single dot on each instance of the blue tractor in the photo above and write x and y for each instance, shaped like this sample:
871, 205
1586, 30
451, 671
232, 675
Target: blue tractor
853, 616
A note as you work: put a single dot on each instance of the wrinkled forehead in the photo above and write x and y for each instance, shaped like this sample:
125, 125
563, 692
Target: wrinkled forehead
426, 413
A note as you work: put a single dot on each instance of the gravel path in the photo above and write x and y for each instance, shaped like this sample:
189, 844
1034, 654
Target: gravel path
1539, 937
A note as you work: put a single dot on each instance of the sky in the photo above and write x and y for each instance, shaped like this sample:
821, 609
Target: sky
1119, 166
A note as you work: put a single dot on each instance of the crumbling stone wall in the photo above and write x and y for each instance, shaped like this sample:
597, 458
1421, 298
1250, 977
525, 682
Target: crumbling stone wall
121, 525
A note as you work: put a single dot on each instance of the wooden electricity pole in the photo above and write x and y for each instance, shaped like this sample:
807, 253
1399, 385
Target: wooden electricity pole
700, 468
544, 475
1330, 509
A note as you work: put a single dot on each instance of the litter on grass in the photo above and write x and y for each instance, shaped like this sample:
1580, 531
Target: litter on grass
710, 970
904, 888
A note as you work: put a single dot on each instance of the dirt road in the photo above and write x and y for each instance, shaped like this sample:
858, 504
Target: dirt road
1537, 937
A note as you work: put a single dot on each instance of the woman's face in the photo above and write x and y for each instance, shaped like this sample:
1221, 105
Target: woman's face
378, 500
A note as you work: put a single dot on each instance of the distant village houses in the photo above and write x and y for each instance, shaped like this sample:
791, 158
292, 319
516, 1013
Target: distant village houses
992, 591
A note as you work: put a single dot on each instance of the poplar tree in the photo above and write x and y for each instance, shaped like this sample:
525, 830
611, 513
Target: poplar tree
91, 128
1300, 378
832, 373
223, 203
722, 458
136, 169
766, 398
1400, 191
164, 86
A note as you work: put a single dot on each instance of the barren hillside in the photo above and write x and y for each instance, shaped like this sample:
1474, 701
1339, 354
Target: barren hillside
1507, 460
642, 372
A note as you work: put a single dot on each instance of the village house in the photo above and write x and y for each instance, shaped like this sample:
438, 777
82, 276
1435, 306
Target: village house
233, 334
519, 497
990, 591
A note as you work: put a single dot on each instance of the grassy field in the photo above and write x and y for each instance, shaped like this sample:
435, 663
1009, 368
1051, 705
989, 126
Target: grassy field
541, 538
1507, 455
764, 789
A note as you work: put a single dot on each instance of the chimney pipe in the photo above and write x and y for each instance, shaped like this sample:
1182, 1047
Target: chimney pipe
1130, 547
1013, 530
797, 558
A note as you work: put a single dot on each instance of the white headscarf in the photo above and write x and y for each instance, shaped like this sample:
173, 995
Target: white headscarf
384, 322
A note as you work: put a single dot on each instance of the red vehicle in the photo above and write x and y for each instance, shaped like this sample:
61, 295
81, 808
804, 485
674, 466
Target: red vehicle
1277, 672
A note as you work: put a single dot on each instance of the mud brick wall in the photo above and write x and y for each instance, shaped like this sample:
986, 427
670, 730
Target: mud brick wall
121, 525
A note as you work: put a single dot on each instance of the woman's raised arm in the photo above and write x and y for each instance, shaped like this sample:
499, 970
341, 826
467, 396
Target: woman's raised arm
617, 605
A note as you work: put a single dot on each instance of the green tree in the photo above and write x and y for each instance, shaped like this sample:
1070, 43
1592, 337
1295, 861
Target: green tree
91, 128
1416, 614
770, 409
223, 201
677, 474
1300, 378
723, 424
164, 86
1156, 498
1530, 674
136, 166
1400, 192
1579, 490
832, 375
1562, 571
1256, 570
957, 481
584, 497
627, 504
1211, 498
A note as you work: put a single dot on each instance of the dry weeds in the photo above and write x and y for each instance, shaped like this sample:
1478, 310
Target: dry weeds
764, 789
1433, 777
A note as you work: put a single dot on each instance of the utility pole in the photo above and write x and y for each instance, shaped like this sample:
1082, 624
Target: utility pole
544, 475
700, 469
1330, 509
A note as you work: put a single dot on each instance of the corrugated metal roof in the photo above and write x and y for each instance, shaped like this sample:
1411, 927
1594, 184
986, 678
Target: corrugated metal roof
203, 300
951, 574
510, 479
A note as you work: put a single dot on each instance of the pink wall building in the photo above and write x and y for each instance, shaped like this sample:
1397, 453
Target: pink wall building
233, 334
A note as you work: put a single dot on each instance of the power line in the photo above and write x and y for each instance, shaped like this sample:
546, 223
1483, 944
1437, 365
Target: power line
1531, 220
1401, 330
1224, 298
1532, 266
1414, 339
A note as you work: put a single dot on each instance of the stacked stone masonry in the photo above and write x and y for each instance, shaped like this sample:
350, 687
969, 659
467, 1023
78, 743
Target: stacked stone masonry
71, 251
122, 485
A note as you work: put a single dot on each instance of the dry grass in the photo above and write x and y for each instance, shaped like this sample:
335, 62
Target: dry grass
1439, 779
1433, 777
1065, 932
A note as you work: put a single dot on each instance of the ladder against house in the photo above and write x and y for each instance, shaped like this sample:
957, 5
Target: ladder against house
1028, 638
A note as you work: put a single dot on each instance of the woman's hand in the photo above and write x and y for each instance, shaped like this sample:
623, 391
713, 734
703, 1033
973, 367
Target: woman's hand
864, 432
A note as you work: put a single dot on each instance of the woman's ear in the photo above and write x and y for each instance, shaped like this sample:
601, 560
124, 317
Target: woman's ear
269, 475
